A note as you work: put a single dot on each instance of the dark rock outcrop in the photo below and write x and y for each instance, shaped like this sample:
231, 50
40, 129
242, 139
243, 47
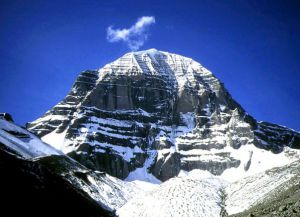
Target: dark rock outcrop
6, 116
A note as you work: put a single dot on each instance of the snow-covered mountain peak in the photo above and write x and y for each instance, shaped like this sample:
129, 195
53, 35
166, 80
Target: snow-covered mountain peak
157, 55
163, 123
176, 71
153, 113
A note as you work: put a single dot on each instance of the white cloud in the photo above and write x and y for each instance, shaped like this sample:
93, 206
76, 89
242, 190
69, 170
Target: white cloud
135, 36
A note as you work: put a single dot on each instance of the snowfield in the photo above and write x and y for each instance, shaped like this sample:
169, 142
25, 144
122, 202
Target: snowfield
180, 196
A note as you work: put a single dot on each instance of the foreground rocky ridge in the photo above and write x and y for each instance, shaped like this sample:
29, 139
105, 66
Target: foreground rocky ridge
160, 112
53, 181
28, 189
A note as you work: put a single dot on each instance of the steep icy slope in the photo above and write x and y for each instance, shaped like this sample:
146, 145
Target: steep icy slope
24, 142
162, 113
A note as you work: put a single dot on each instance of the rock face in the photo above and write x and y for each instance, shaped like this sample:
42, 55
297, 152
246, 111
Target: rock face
158, 111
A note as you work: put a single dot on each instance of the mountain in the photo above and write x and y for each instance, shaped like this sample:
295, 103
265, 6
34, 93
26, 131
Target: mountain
151, 114
150, 134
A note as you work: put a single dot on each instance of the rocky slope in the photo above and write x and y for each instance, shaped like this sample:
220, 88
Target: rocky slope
28, 189
157, 113
38, 178
282, 201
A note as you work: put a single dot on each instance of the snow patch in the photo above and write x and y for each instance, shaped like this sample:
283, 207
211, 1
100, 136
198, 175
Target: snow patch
56, 140
141, 174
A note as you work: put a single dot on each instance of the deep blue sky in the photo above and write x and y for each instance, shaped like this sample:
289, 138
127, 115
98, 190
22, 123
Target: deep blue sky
252, 46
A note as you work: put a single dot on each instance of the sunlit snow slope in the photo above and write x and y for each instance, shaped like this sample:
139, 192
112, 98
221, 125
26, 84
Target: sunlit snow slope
24, 142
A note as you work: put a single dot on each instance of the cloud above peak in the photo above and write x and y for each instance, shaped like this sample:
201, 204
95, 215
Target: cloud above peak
135, 36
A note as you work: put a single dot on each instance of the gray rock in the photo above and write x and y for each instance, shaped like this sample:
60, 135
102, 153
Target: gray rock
282, 208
